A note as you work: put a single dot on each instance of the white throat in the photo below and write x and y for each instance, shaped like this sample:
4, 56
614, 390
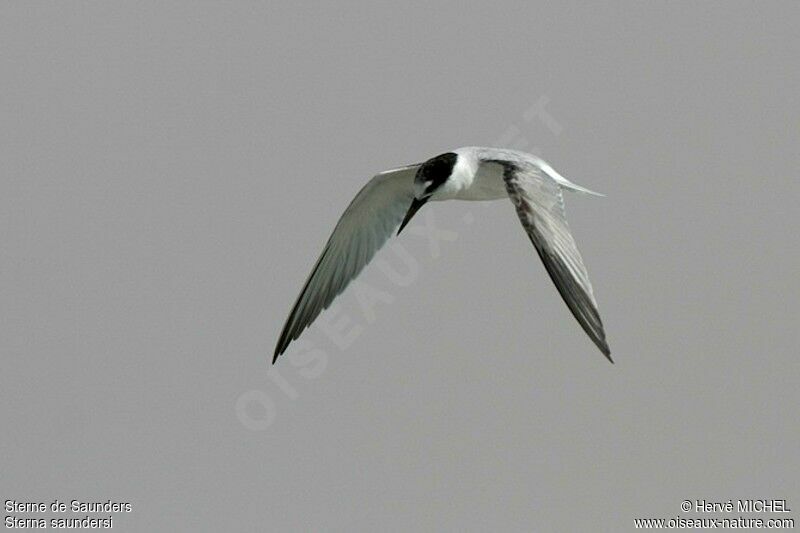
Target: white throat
472, 180
460, 179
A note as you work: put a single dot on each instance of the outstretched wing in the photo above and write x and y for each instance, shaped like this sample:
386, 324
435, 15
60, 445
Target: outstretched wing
365, 226
540, 207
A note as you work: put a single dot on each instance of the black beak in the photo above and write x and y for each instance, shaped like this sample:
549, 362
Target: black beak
412, 210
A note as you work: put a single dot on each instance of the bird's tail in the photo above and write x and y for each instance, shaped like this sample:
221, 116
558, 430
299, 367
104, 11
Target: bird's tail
563, 182
577, 188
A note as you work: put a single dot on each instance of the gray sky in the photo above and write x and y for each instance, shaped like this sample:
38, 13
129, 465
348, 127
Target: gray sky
171, 172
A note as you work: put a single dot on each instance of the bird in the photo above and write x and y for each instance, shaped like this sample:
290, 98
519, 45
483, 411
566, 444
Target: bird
391, 199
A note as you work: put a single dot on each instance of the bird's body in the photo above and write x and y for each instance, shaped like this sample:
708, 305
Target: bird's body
469, 173
472, 179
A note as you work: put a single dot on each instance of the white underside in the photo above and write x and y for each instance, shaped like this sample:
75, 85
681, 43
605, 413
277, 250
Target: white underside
474, 182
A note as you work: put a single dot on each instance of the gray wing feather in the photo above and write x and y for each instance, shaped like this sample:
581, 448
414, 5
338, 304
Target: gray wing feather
364, 227
540, 206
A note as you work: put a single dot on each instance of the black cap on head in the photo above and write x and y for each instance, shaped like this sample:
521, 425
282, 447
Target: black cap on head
436, 171
433, 173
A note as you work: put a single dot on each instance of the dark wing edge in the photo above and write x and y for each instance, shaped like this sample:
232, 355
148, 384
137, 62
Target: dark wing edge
540, 207
363, 228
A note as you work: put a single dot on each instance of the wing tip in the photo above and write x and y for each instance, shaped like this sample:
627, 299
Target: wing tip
607, 353
600, 341
598, 337
283, 343
278, 351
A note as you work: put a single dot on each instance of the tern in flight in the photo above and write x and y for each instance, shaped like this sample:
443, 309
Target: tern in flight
391, 198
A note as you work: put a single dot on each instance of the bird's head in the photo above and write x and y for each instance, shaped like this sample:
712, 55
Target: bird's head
431, 176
